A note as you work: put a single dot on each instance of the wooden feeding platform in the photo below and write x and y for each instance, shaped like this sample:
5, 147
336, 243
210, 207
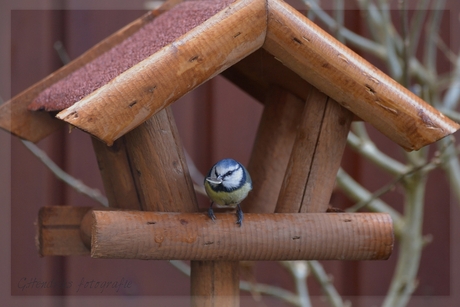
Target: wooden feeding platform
311, 86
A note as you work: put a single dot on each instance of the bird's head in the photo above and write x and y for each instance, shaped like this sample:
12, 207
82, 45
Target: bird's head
228, 173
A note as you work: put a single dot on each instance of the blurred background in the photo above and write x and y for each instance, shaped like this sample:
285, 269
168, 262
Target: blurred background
215, 121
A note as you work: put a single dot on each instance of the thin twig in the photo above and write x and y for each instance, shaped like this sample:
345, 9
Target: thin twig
393, 61
432, 28
452, 96
448, 53
350, 37
358, 193
299, 271
339, 16
426, 167
404, 280
367, 149
74, 183
195, 174
325, 282
416, 25
406, 44
62, 52
451, 165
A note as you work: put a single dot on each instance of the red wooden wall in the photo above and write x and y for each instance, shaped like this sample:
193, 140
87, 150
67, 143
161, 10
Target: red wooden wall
216, 120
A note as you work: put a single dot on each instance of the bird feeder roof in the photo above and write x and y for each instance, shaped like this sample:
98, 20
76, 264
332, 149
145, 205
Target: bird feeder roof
138, 71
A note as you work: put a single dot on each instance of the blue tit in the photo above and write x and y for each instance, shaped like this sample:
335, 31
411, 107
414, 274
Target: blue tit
227, 184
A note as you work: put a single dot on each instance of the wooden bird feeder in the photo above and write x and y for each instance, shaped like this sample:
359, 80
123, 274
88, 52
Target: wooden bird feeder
311, 87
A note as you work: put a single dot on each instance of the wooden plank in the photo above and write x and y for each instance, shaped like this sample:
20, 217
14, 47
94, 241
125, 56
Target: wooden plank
176, 69
353, 82
34, 126
58, 231
221, 290
272, 149
193, 236
316, 156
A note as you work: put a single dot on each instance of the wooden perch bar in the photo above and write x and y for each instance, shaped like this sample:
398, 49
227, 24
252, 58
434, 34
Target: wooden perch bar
176, 69
352, 81
193, 236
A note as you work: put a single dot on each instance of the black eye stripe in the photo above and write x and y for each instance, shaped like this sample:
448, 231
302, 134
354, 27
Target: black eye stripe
230, 172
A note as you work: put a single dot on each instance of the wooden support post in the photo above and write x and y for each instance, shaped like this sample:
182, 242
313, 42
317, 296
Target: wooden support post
215, 283
193, 236
272, 149
146, 170
159, 174
316, 156
116, 174
159, 167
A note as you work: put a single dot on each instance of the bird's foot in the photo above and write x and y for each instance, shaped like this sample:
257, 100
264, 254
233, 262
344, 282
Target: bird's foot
239, 215
211, 214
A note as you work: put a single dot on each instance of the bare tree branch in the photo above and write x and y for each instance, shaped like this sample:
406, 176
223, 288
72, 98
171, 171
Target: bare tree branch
74, 183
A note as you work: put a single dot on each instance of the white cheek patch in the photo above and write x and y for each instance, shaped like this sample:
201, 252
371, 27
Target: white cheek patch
233, 181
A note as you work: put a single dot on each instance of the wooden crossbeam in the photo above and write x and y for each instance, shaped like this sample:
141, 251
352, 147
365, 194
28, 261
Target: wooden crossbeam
193, 236
59, 231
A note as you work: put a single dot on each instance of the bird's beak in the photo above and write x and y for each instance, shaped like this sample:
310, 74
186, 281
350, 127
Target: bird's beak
217, 180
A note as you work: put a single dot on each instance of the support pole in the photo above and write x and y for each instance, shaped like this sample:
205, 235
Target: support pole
272, 149
215, 283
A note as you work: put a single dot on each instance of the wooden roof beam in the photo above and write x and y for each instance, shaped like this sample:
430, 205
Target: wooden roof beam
353, 82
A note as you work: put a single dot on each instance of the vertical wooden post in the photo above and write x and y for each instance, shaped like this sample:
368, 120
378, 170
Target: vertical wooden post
272, 149
316, 156
215, 283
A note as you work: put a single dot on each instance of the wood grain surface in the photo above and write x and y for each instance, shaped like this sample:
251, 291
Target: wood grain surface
353, 82
272, 149
316, 156
34, 126
170, 73
193, 236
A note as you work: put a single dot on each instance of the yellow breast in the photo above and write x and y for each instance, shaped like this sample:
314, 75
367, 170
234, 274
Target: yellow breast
228, 199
